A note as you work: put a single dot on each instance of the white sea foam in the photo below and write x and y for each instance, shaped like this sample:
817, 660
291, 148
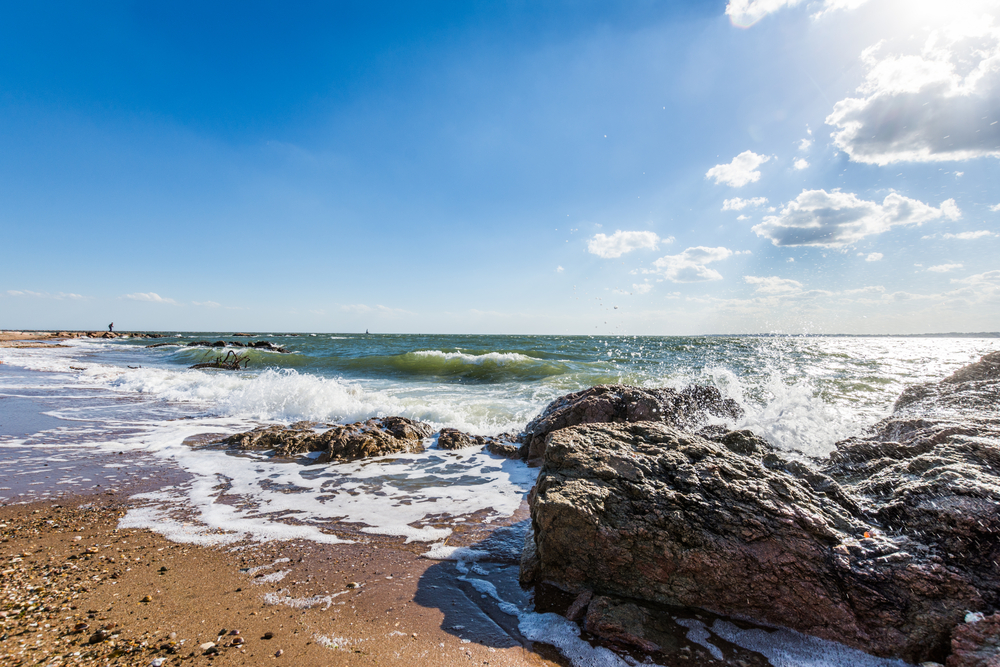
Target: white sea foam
699, 635
787, 648
387, 496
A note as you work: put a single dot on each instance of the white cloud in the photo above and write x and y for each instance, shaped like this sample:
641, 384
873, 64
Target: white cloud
737, 204
690, 265
642, 288
995, 208
152, 297
621, 242
773, 284
801, 163
740, 171
944, 268
874, 257
745, 13
805, 144
964, 236
988, 278
559, 269
742, 217
207, 304
45, 295
938, 104
834, 219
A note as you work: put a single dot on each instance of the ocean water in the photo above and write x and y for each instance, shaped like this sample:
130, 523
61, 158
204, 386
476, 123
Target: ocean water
803, 394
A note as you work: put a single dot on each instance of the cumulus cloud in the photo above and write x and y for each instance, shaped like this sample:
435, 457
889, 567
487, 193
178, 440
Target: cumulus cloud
834, 219
690, 265
944, 268
801, 163
739, 172
995, 208
937, 104
151, 297
773, 284
737, 204
874, 257
744, 13
805, 144
641, 288
621, 242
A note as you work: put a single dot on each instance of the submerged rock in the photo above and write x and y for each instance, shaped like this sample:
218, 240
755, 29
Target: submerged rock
374, 437
884, 546
614, 403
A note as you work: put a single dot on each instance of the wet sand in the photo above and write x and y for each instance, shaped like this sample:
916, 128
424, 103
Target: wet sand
75, 589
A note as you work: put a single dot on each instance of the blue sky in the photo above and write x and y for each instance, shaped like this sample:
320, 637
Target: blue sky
826, 166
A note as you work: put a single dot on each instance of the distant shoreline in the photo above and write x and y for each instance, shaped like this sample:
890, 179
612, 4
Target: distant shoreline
63, 334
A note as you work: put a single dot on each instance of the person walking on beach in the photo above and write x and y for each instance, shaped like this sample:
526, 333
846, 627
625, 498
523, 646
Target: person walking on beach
111, 327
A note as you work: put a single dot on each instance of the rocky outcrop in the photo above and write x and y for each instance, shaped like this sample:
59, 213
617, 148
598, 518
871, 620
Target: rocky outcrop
976, 643
884, 546
347, 442
110, 334
689, 408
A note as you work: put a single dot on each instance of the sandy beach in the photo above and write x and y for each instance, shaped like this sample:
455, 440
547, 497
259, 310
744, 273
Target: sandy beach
78, 590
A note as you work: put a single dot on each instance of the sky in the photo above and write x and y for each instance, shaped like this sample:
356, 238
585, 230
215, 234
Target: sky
642, 167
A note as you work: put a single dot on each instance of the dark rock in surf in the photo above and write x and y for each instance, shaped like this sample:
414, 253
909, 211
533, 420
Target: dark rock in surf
452, 438
621, 622
613, 403
258, 345
274, 436
504, 448
374, 437
884, 546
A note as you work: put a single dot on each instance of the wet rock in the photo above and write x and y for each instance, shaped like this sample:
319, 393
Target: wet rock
579, 606
613, 403
503, 448
976, 643
374, 437
452, 438
271, 437
883, 546
622, 622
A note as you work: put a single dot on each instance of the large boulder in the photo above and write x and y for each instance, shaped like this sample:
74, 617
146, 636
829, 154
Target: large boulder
884, 546
688, 408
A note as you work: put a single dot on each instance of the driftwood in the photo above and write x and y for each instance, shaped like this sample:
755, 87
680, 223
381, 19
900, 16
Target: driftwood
230, 362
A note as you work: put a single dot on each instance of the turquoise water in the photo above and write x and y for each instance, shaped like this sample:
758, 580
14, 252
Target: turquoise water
489, 384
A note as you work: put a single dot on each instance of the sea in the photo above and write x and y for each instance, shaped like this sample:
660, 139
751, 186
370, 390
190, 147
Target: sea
61, 406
